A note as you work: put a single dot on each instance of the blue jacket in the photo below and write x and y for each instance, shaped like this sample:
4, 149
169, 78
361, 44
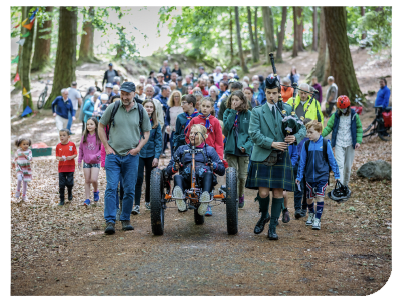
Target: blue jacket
293, 154
163, 101
153, 148
224, 95
383, 97
261, 96
185, 160
62, 108
88, 109
316, 168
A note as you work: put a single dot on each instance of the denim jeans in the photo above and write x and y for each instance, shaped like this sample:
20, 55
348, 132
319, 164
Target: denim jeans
128, 167
70, 122
298, 195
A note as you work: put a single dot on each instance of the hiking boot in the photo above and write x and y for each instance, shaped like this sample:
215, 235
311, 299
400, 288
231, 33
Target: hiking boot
118, 215
241, 202
178, 195
61, 203
259, 227
298, 213
126, 226
310, 219
109, 228
96, 196
285, 216
87, 202
303, 213
316, 224
208, 213
272, 231
136, 210
204, 202
147, 206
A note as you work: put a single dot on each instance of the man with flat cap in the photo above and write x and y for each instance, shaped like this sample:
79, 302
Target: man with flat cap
122, 148
270, 167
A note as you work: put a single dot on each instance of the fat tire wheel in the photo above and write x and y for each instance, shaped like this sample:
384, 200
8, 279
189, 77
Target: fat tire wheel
231, 201
382, 137
369, 134
368, 128
157, 212
197, 218
41, 101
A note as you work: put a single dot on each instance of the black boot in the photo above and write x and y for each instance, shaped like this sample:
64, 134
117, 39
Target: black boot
275, 213
109, 228
298, 213
126, 226
264, 204
70, 193
272, 229
61, 192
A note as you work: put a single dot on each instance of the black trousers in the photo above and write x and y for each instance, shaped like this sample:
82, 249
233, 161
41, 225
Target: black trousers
147, 164
206, 181
66, 179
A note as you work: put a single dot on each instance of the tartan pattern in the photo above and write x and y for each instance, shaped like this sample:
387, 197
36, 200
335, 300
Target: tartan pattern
279, 175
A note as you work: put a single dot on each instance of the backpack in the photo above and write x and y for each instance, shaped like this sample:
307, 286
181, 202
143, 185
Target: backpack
114, 111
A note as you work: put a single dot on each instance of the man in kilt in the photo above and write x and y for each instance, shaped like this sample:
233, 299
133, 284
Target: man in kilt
271, 168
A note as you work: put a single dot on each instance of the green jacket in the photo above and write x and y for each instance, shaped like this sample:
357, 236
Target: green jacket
222, 110
244, 139
264, 130
312, 110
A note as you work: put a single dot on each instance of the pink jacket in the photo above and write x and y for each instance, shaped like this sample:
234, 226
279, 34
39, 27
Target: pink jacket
89, 151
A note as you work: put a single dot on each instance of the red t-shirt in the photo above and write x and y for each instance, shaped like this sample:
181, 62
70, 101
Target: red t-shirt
66, 150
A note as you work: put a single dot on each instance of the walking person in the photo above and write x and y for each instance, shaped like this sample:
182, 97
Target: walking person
149, 157
183, 120
75, 96
317, 86
238, 146
22, 165
381, 102
61, 107
332, 94
109, 75
149, 93
90, 95
122, 150
172, 112
90, 153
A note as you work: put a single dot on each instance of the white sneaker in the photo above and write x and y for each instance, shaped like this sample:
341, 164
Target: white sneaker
310, 219
17, 194
25, 198
204, 202
178, 193
316, 224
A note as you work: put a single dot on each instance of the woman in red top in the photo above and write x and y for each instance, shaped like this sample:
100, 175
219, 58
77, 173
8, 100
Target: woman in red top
212, 124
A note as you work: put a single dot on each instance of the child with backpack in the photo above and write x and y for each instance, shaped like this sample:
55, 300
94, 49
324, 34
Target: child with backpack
214, 131
347, 135
316, 161
90, 152
65, 154
238, 142
22, 164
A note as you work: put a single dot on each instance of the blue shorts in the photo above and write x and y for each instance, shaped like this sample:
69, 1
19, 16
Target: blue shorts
91, 165
315, 189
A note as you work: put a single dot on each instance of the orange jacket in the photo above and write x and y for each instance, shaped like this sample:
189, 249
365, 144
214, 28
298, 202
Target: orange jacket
286, 93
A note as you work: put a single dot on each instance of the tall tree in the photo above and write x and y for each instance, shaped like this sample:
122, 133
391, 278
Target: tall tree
339, 53
257, 45
281, 35
299, 11
250, 30
322, 50
295, 30
43, 38
66, 55
86, 53
242, 61
26, 56
269, 45
271, 28
231, 34
363, 12
315, 28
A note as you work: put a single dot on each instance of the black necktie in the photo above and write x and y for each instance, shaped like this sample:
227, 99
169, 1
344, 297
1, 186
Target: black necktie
273, 111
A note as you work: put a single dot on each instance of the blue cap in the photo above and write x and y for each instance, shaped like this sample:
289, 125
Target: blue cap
110, 64
127, 87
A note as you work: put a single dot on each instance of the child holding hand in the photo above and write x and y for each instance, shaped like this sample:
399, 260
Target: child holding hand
22, 164
65, 154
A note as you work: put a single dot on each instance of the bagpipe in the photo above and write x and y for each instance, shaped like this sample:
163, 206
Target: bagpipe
290, 123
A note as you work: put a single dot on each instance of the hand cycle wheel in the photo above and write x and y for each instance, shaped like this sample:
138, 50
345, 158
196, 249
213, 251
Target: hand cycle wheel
231, 201
157, 212
368, 128
41, 100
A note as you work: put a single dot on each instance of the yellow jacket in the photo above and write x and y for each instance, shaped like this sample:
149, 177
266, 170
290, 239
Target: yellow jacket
312, 110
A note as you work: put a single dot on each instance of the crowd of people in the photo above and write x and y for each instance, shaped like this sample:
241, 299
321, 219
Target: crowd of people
127, 128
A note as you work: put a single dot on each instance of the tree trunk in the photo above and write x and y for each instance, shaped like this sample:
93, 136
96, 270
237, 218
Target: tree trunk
320, 67
269, 46
294, 53
327, 68
250, 30
26, 56
271, 26
257, 46
299, 12
315, 29
281, 35
363, 12
41, 56
86, 53
231, 34
242, 61
339, 53
64, 71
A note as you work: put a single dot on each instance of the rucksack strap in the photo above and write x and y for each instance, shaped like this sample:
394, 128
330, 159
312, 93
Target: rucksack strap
318, 112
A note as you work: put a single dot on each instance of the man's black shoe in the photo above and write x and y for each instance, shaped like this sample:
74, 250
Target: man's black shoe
126, 226
285, 216
303, 213
70, 195
259, 227
298, 213
272, 233
61, 203
109, 228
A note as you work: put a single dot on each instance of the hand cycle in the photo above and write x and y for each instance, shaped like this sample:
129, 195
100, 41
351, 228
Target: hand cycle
42, 97
377, 126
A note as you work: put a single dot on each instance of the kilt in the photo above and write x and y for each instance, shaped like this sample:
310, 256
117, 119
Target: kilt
279, 175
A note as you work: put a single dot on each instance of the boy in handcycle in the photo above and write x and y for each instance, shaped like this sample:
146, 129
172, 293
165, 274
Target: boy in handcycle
206, 164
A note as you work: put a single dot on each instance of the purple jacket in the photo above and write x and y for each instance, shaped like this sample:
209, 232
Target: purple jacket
90, 151
319, 88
